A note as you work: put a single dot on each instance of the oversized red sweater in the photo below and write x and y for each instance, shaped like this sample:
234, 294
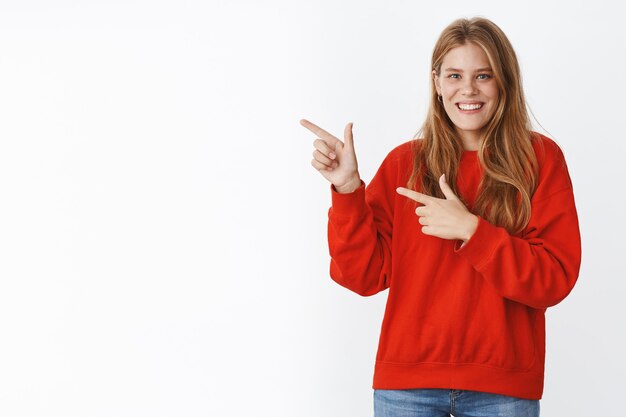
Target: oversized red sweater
468, 317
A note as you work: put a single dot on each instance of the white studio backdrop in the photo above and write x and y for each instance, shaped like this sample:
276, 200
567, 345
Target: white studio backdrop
163, 236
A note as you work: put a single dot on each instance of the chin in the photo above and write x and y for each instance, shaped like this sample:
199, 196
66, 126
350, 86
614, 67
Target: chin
471, 128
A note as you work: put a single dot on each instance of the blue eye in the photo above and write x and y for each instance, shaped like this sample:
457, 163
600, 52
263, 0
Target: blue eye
486, 76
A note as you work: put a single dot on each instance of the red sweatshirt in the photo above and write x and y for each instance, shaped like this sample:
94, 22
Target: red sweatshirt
468, 317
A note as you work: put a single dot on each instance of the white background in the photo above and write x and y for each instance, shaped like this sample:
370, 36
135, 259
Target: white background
162, 233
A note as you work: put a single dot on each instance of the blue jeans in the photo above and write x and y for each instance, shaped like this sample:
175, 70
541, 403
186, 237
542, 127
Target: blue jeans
431, 402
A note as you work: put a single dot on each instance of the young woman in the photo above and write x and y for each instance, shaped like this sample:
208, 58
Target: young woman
472, 226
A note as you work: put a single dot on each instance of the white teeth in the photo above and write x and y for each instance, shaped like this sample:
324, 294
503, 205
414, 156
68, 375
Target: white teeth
470, 106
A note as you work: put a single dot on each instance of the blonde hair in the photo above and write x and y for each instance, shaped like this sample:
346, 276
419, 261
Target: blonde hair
506, 153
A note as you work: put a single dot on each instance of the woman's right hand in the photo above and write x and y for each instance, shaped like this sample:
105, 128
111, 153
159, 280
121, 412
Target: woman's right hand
334, 159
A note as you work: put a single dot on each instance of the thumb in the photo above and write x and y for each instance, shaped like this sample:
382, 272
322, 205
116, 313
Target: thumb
447, 191
347, 136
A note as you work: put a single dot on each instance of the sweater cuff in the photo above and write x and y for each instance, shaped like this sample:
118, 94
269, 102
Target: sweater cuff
346, 203
481, 246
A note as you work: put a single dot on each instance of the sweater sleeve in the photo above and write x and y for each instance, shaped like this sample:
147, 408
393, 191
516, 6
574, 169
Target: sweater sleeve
359, 233
540, 267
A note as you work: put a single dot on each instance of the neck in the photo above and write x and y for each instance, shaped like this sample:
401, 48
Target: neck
471, 141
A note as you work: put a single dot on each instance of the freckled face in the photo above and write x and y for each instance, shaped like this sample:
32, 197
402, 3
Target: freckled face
469, 91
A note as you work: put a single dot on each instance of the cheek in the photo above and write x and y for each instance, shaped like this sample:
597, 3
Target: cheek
447, 88
493, 94
449, 108
492, 91
494, 100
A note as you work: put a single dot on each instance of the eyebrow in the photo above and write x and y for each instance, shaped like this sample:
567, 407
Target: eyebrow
478, 70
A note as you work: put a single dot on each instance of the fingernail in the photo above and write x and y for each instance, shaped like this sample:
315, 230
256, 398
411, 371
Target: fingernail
332, 155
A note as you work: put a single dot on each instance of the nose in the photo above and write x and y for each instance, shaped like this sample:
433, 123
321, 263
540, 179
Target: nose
469, 88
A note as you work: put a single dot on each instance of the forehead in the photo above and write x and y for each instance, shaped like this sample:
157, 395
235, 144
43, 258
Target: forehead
468, 57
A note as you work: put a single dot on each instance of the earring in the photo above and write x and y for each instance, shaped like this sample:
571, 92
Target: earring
439, 98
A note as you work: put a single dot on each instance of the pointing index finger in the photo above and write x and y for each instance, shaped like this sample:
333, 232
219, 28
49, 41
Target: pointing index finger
332, 140
414, 195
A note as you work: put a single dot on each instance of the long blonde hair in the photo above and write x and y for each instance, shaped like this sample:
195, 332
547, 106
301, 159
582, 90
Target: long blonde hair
506, 153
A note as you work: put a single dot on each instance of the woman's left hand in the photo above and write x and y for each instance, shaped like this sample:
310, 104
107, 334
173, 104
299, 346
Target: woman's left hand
445, 218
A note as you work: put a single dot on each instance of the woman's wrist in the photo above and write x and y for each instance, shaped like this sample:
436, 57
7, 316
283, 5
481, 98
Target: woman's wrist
472, 225
350, 186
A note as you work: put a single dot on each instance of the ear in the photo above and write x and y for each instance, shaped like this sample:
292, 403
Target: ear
436, 80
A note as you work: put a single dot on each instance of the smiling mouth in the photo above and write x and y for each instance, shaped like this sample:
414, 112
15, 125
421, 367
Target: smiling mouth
469, 107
